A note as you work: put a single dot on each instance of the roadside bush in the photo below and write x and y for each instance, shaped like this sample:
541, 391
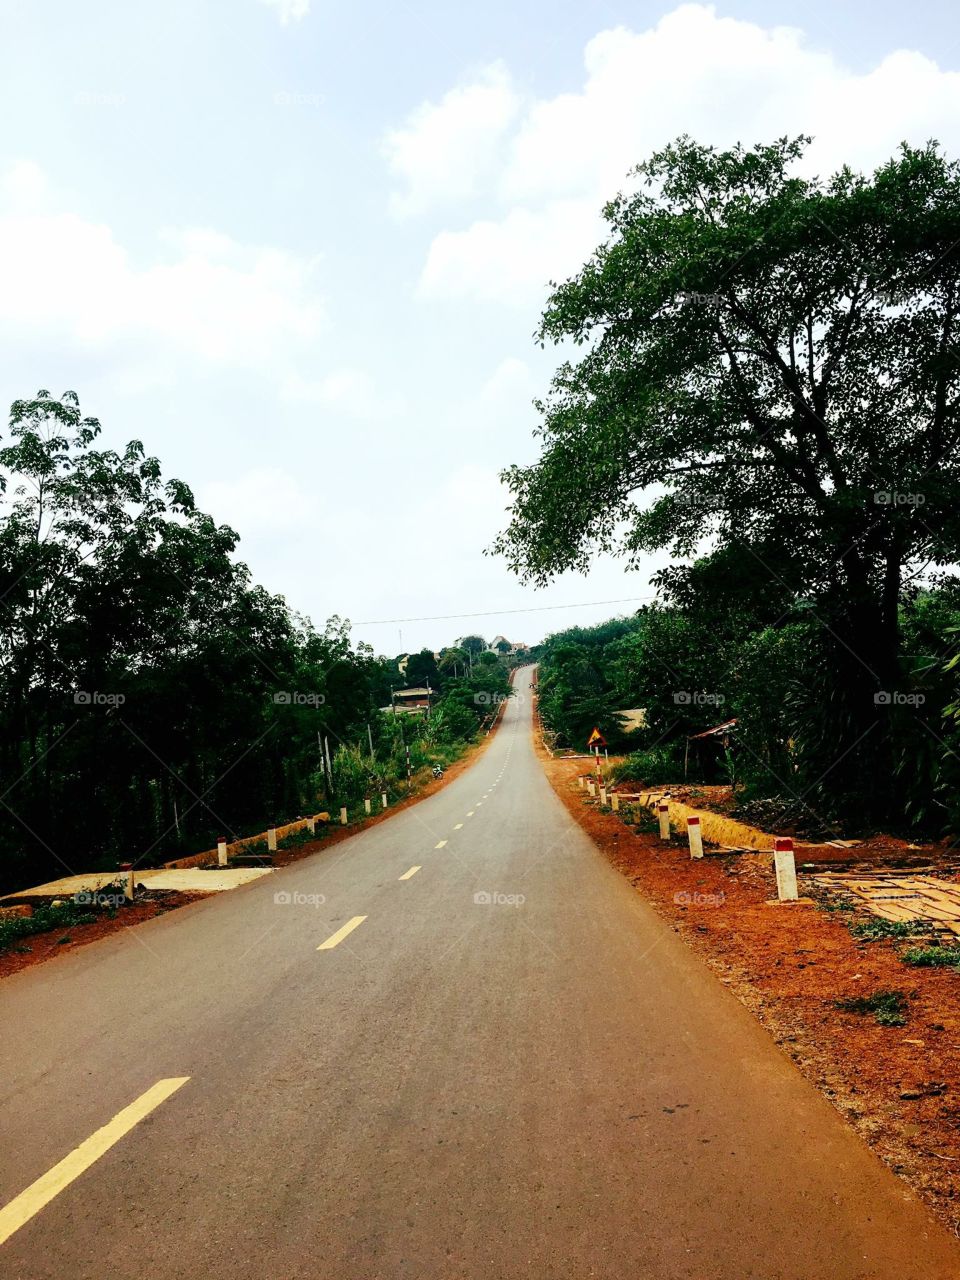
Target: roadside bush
651, 767
43, 918
932, 957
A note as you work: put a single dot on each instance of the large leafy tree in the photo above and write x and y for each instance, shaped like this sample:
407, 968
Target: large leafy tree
769, 361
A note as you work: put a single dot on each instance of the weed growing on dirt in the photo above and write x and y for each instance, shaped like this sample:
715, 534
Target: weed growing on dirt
837, 904
888, 1007
932, 957
876, 930
296, 838
42, 919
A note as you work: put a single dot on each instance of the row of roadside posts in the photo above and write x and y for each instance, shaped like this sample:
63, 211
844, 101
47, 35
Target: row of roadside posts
784, 860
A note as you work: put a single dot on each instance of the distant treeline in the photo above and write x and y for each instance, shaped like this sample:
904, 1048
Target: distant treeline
151, 696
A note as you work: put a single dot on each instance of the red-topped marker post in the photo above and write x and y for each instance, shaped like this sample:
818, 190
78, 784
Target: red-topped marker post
786, 868
695, 836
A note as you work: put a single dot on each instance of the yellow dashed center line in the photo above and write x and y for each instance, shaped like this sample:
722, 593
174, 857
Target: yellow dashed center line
408, 874
470, 814
440, 845
341, 933
40, 1193
458, 826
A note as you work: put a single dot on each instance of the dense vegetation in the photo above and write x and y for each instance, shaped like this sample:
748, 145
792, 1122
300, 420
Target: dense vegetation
717, 650
152, 696
769, 371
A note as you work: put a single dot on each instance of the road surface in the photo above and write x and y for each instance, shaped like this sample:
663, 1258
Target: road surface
502, 1064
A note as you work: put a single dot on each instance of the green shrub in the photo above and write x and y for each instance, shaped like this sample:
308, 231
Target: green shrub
43, 918
876, 930
651, 767
932, 957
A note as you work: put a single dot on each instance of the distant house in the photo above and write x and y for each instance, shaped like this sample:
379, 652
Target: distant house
414, 701
500, 644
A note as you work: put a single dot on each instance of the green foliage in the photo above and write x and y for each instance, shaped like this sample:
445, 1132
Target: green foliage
43, 918
932, 957
473, 644
837, 904
878, 929
889, 1008
650, 768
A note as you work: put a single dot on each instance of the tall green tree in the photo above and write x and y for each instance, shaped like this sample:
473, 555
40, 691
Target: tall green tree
768, 361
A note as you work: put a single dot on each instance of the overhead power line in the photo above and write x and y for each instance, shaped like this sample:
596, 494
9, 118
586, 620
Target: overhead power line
496, 613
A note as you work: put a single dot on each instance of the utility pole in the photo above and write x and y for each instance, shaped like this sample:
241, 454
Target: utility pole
370, 739
323, 769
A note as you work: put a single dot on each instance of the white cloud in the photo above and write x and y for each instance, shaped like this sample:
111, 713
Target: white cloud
261, 501
350, 391
512, 259
24, 186
720, 79
445, 150
289, 10
512, 382
204, 294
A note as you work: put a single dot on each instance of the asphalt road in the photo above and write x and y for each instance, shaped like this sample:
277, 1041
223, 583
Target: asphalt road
548, 1084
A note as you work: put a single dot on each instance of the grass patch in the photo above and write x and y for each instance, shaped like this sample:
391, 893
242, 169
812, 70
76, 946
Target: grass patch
303, 836
837, 904
17, 927
877, 929
932, 957
889, 1008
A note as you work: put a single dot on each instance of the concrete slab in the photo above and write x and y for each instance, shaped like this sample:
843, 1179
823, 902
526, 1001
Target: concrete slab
184, 881
67, 886
190, 880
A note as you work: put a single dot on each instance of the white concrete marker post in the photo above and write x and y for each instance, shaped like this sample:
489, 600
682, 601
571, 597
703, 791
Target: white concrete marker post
383, 799
786, 869
221, 851
590, 787
664, 811
343, 814
272, 839
366, 804
695, 836
129, 881
615, 801
312, 824
603, 794
583, 782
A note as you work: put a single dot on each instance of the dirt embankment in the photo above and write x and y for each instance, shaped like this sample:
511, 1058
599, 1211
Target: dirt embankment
898, 1085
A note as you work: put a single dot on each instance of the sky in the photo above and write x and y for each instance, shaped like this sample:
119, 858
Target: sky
299, 248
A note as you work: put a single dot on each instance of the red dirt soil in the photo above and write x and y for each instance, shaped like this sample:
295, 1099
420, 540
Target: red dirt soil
788, 964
